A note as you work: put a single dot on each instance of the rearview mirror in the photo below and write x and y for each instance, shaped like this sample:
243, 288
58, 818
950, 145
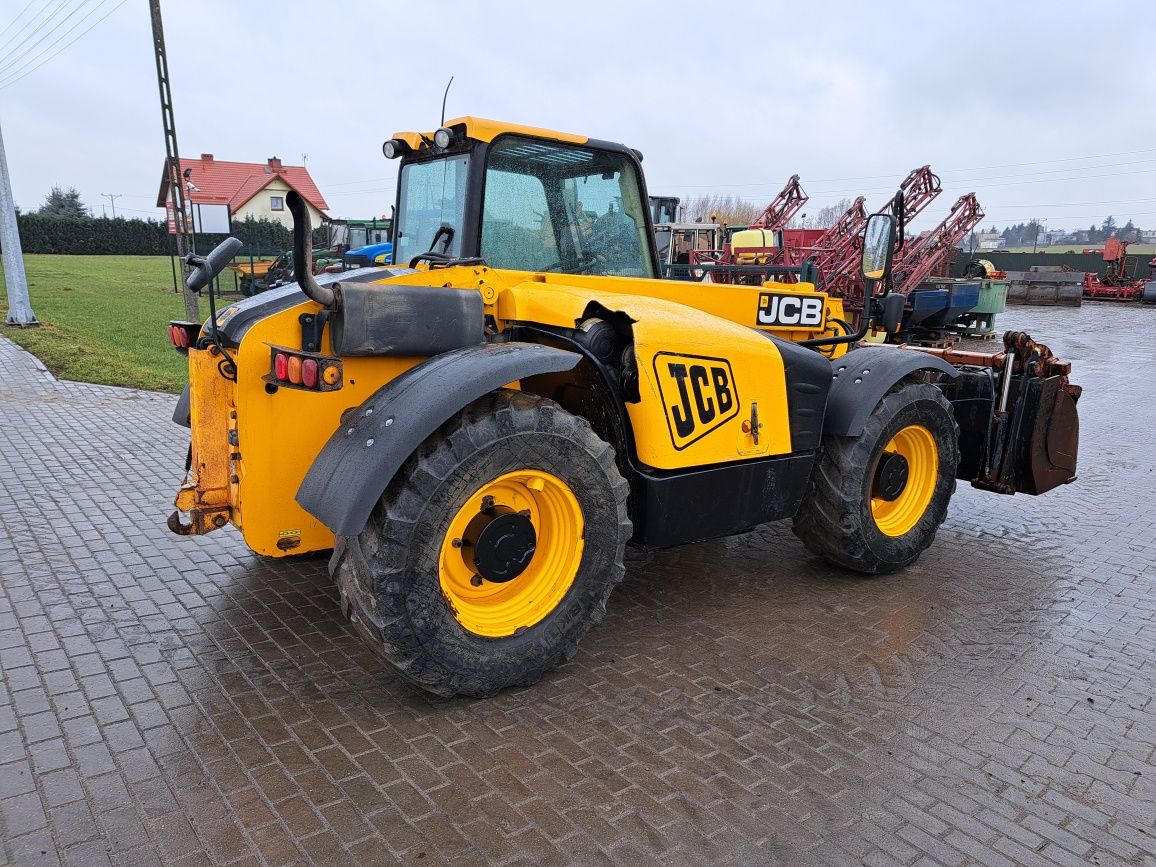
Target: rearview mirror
878, 245
207, 267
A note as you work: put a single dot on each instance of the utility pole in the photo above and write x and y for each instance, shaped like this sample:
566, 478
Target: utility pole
15, 280
172, 155
112, 197
1036, 237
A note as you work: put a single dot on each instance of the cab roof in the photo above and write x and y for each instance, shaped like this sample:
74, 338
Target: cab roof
485, 129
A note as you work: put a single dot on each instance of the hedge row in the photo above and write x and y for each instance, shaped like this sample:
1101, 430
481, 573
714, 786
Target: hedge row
121, 237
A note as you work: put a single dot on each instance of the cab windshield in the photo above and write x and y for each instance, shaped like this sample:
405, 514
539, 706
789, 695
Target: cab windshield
432, 194
561, 207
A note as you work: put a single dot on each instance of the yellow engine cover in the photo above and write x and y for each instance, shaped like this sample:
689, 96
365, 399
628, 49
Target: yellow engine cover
699, 374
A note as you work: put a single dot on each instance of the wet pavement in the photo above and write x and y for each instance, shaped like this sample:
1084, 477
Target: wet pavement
183, 700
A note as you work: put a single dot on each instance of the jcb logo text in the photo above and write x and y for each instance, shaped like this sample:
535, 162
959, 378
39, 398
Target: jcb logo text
801, 311
698, 394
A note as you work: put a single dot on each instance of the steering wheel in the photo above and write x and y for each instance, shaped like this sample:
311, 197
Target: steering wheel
585, 264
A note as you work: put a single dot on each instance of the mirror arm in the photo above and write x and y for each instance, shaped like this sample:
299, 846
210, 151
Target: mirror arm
900, 219
868, 297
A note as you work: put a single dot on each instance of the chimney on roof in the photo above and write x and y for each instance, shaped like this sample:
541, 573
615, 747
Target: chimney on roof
206, 158
275, 164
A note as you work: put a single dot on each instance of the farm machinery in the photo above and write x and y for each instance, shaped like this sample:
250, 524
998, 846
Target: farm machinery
1119, 282
932, 306
831, 256
665, 209
367, 242
749, 255
260, 275
836, 254
478, 432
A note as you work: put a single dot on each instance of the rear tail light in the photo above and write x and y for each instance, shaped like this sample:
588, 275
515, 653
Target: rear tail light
303, 370
182, 335
309, 373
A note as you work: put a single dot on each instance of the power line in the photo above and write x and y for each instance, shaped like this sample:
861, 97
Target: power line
34, 50
761, 197
989, 186
1084, 204
9, 82
17, 18
753, 184
351, 183
17, 45
29, 23
366, 190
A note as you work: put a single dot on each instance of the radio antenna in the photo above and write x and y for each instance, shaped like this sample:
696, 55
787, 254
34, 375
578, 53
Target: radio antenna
444, 97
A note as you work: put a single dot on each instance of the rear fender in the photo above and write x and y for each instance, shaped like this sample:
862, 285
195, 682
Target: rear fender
182, 414
361, 458
863, 376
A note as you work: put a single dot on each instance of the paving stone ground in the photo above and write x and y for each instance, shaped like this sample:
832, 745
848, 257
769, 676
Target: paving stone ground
181, 700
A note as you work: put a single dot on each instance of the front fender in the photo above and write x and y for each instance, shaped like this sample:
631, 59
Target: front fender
863, 376
357, 463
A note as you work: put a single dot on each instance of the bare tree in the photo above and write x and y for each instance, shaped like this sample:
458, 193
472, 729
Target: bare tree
824, 218
721, 208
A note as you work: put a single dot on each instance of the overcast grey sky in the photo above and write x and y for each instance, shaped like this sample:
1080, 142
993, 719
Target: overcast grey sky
1043, 109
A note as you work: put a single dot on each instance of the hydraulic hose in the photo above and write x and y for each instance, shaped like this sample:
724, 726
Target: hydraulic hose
849, 338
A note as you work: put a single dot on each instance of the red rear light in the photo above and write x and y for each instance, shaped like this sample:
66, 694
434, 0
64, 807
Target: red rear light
183, 335
309, 373
292, 368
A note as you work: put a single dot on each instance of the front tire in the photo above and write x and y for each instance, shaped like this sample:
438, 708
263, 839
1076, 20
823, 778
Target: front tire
874, 502
492, 552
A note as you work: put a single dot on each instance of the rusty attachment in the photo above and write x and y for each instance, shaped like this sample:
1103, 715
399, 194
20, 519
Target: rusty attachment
177, 527
1028, 357
1035, 359
201, 521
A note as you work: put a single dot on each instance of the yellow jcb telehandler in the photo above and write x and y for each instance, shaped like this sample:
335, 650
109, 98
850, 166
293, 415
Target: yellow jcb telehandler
479, 432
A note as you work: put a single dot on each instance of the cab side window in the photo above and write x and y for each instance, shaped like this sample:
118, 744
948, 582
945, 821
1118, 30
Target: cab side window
517, 231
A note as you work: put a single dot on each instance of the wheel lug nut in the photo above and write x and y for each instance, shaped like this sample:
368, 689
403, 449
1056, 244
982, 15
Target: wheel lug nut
476, 580
457, 543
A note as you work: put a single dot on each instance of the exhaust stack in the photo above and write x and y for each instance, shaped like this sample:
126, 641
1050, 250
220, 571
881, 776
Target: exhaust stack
303, 251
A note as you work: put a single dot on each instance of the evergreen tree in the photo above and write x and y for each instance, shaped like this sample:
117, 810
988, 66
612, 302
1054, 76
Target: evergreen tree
64, 203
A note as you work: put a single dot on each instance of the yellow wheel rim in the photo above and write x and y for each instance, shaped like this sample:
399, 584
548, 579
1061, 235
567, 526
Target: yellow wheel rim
898, 516
497, 609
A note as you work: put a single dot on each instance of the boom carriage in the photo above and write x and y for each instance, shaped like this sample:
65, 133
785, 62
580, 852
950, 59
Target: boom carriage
479, 432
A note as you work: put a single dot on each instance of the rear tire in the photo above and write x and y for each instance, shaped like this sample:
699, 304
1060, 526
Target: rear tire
401, 577
851, 513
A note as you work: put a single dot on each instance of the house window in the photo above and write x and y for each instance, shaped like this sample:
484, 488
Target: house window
276, 203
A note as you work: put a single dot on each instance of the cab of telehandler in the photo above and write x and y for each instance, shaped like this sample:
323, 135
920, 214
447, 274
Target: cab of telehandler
518, 201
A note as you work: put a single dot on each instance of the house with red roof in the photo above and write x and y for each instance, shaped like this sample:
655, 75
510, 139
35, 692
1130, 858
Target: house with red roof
254, 190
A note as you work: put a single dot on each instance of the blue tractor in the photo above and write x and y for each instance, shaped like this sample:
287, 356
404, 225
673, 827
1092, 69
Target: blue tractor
369, 241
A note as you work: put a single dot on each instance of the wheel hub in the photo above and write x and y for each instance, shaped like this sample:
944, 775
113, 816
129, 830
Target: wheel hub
891, 477
511, 552
499, 544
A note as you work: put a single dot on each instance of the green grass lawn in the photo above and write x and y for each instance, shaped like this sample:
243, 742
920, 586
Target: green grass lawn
104, 319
